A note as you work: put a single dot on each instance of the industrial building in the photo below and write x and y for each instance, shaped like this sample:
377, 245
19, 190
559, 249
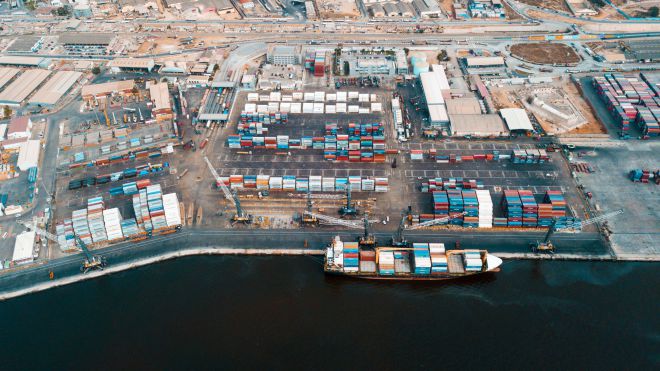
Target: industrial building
7, 74
463, 106
435, 90
203, 6
19, 127
484, 62
489, 125
16, 61
101, 91
486, 9
516, 119
25, 44
427, 8
283, 54
642, 51
24, 248
23, 86
377, 11
86, 43
55, 88
160, 96
138, 6
28, 155
401, 62
131, 65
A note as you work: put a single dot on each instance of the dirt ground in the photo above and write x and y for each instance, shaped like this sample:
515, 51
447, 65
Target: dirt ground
549, 4
593, 125
502, 98
333, 9
546, 53
510, 13
447, 6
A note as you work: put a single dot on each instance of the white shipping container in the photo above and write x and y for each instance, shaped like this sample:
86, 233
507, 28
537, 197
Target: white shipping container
330, 108
297, 95
374, 97
376, 107
275, 96
309, 96
308, 107
341, 107
353, 95
318, 107
363, 110
331, 97
253, 97
264, 98
262, 108
341, 96
285, 107
353, 109
287, 98
296, 108
319, 96
363, 98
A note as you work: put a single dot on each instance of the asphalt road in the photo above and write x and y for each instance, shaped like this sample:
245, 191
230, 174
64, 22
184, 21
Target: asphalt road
583, 243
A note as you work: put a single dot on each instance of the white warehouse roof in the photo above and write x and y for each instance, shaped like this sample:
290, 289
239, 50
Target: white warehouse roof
21, 88
516, 119
438, 114
440, 74
431, 87
6, 74
477, 125
55, 88
484, 61
24, 247
28, 156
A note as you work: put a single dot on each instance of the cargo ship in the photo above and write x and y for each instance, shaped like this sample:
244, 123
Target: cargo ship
420, 261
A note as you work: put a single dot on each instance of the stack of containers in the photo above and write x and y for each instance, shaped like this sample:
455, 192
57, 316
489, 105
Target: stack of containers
302, 184
275, 183
386, 263
315, 183
530, 208
289, 183
485, 208
341, 184
172, 211
455, 207
472, 260
95, 208
402, 262
556, 199
80, 225
355, 182
236, 181
129, 227
471, 207
65, 236
440, 204
368, 261
144, 210
382, 185
328, 184
513, 209
130, 188
250, 181
262, 182
112, 219
155, 205
351, 257
438, 258
421, 258
368, 185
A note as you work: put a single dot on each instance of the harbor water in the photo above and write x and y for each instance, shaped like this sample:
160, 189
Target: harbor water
268, 313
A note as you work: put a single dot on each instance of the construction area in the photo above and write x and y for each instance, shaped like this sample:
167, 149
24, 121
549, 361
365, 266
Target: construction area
546, 53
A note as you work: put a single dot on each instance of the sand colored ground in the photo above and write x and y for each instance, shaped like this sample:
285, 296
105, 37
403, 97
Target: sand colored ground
546, 53
549, 4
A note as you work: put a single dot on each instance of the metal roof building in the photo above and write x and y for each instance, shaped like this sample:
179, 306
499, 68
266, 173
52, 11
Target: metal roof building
55, 88
431, 87
28, 156
23, 86
516, 119
11, 60
438, 114
107, 88
6, 74
25, 44
131, 64
24, 248
463, 106
477, 125
484, 61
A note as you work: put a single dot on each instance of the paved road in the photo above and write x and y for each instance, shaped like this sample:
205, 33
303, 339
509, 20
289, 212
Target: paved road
583, 243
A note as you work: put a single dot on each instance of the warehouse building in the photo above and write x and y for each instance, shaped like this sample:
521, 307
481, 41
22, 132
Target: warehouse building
143, 7
19, 127
28, 155
23, 86
516, 120
377, 11
16, 61
7, 74
434, 94
427, 8
484, 62
91, 93
490, 125
86, 43
463, 106
118, 65
160, 96
401, 62
24, 248
55, 88
283, 54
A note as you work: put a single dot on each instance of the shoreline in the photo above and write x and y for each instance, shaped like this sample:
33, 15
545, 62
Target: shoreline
265, 252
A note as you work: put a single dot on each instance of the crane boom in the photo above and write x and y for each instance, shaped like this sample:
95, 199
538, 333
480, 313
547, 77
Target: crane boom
600, 218
431, 222
546, 245
43, 233
335, 221
219, 182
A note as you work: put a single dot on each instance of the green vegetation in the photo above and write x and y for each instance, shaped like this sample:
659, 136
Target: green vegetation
96, 70
442, 56
6, 112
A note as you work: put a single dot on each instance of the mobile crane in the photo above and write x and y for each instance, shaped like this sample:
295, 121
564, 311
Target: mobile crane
398, 240
306, 218
549, 247
241, 216
349, 209
90, 261
367, 240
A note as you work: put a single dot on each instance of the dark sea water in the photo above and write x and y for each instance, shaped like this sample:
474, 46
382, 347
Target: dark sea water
284, 313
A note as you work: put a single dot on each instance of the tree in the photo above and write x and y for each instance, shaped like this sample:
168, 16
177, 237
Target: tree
63, 11
442, 56
96, 70
406, 50
7, 112
653, 11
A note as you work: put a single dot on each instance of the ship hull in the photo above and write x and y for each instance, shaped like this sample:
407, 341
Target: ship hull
435, 277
